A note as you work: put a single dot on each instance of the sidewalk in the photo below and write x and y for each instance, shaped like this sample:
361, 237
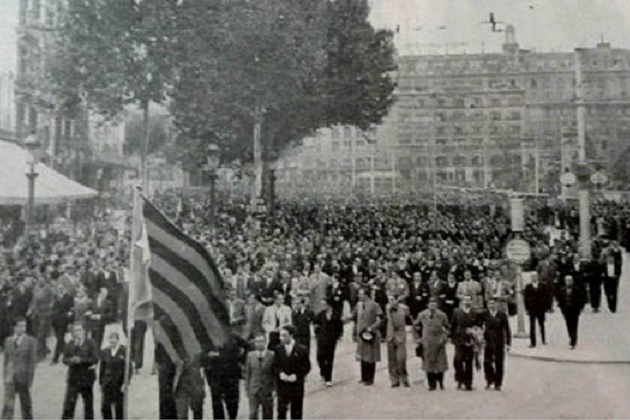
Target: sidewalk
602, 338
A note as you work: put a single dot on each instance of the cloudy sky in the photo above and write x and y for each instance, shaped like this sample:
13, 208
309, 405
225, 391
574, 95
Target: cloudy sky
437, 26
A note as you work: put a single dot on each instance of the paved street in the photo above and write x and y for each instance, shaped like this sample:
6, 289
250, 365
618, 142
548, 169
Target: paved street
533, 388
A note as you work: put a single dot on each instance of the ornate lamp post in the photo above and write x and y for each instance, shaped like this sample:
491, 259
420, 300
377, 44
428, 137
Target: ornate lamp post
212, 164
32, 144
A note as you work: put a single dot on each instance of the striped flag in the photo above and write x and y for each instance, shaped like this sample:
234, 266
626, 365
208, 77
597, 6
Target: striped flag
184, 287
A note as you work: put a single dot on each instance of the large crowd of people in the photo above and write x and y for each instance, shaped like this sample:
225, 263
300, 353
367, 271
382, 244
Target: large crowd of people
297, 277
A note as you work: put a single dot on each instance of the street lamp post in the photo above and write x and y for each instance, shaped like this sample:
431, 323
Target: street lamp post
212, 163
32, 144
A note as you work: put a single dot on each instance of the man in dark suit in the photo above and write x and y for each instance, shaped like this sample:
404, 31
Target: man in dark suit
81, 356
111, 377
61, 318
498, 338
328, 329
20, 360
335, 295
464, 319
102, 314
223, 372
537, 303
292, 366
302, 320
259, 378
571, 298
612, 261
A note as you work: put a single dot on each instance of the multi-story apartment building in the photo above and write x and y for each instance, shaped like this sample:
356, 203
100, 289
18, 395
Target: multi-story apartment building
78, 144
7, 103
504, 120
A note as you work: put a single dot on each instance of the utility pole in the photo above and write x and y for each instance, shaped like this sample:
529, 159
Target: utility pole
584, 196
536, 165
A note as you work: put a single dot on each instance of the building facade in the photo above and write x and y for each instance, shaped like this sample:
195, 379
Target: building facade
505, 120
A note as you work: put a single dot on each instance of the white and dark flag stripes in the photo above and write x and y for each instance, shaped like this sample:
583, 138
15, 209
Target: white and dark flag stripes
189, 309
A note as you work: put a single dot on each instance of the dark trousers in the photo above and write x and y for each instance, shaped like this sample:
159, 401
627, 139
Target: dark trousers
166, 375
493, 362
463, 364
26, 404
326, 358
258, 401
137, 343
293, 401
533, 318
274, 340
60, 334
595, 291
611, 288
368, 371
72, 395
97, 335
572, 319
434, 379
112, 403
305, 341
42, 325
225, 396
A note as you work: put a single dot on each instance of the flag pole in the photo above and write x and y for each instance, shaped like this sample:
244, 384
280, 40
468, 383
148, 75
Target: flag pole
130, 310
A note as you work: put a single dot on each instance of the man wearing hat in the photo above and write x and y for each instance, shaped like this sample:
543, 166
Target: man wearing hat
367, 316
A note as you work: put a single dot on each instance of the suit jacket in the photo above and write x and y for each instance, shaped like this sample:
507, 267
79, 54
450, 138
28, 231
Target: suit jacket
536, 299
253, 320
106, 312
573, 301
396, 323
328, 330
83, 371
497, 331
460, 324
237, 315
297, 363
275, 317
259, 374
302, 322
112, 368
20, 362
336, 296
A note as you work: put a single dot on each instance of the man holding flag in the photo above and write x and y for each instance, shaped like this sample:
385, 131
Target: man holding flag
176, 287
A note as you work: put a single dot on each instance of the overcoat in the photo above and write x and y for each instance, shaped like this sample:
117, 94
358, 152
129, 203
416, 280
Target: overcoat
368, 314
434, 331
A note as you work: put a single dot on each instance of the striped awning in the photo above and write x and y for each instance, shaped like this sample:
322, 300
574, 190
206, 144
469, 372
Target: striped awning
50, 186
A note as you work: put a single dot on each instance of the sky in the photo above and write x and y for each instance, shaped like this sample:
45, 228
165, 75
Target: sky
454, 26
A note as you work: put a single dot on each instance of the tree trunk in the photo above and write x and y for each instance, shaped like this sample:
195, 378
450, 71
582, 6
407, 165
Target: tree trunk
144, 175
258, 162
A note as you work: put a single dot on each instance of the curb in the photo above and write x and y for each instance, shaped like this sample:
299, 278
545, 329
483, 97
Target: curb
555, 359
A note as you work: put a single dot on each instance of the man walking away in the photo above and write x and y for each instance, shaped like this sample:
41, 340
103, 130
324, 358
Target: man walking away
20, 360
498, 338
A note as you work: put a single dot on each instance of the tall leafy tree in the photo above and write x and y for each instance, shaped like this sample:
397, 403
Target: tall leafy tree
114, 53
256, 75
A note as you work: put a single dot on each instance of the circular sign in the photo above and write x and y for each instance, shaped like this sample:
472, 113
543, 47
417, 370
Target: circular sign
567, 178
518, 251
599, 178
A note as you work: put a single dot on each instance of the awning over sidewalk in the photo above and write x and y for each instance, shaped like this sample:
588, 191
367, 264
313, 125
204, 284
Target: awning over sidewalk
50, 186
